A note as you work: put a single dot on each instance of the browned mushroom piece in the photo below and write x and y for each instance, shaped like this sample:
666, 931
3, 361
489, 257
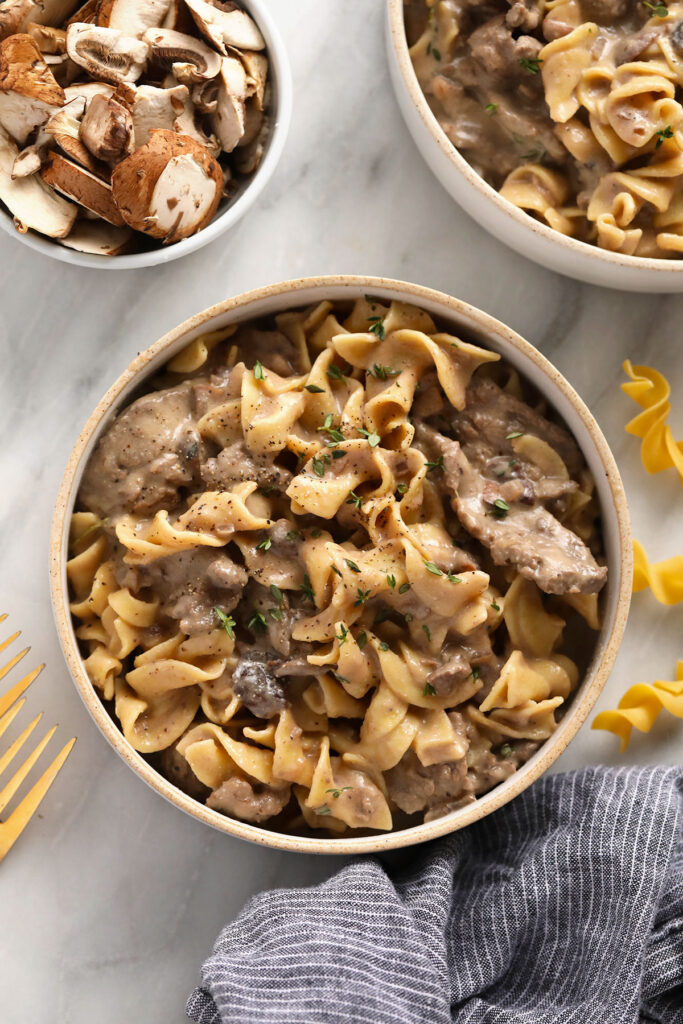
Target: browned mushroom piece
15, 15
170, 188
106, 53
229, 120
132, 17
224, 24
29, 93
83, 187
65, 128
107, 129
47, 39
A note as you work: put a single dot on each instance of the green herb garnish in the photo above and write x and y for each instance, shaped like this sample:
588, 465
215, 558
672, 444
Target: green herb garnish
513, 435
292, 535
434, 569
659, 10
323, 810
391, 580
258, 622
663, 133
318, 466
352, 565
404, 588
336, 793
343, 635
363, 596
437, 464
314, 389
531, 64
354, 499
334, 372
373, 438
429, 691
258, 371
377, 327
265, 545
362, 639
506, 750
427, 632
383, 372
307, 589
499, 509
276, 594
491, 109
226, 621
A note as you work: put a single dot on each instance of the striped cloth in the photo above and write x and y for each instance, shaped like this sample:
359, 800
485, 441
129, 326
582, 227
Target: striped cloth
565, 907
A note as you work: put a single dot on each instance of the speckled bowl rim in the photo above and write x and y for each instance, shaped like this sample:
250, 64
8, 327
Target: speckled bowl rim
522, 219
284, 295
280, 113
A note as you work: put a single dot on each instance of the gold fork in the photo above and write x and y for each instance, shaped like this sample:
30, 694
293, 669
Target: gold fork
10, 706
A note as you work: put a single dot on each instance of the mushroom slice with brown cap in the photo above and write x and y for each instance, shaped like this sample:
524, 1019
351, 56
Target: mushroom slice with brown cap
86, 90
169, 188
83, 187
107, 129
205, 97
98, 237
106, 53
256, 67
226, 24
15, 15
229, 120
29, 200
132, 17
46, 38
179, 18
65, 129
190, 59
85, 15
29, 93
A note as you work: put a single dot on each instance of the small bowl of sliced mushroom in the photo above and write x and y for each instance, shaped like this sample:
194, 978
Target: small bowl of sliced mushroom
133, 132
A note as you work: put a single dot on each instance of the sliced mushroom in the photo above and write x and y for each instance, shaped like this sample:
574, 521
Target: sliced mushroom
132, 17
107, 129
46, 38
83, 187
15, 15
85, 15
87, 90
65, 127
190, 59
248, 158
169, 188
98, 237
156, 108
256, 67
205, 97
229, 120
226, 24
186, 124
29, 161
253, 124
106, 53
179, 18
29, 200
29, 93
63, 68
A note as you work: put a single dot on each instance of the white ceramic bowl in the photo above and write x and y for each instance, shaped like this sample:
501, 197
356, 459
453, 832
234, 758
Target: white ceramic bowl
508, 223
532, 366
230, 211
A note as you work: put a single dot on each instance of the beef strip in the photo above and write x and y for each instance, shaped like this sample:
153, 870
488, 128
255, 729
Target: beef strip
413, 788
175, 768
254, 682
235, 464
524, 14
495, 48
605, 12
445, 679
530, 538
250, 801
272, 348
190, 585
146, 456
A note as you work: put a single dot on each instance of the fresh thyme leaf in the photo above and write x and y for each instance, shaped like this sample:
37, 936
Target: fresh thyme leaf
491, 109
276, 614
334, 372
384, 646
276, 594
316, 533
343, 635
362, 639
663, 133
339, 677
307, 589
437, 464
496, 607
91, 529
373, 438
404, 588
354, 499
265, 545
391, 580
337, 455
323, 810
292, 535
383, 372
659, 10
335, 569
436, 53
363, 595
475, 673
531, 64
226, 621
434, 569
401, 488
453, 578
377, 327
499, 509
258, 622
427, 632
334, 433
318, 466
258, 371
429, 691
352, 565
408, 617
314, 389
506, 750
336, 793
372, 302
513, 435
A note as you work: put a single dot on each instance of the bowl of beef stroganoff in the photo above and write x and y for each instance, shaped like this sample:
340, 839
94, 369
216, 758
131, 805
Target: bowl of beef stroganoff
340, 565
557, 125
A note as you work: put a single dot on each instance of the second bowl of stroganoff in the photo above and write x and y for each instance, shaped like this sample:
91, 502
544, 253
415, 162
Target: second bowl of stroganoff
557, 126
340, 565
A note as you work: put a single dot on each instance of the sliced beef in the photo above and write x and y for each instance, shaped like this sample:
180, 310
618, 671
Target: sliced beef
499, 53
254, 682
191, 585
530, 538
175, 768
492, 414
446, 679
273, 349
236, 464
148, 454
605, 12
413, 788
250, 801
524, 14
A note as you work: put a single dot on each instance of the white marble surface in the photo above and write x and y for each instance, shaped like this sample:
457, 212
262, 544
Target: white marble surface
112, 898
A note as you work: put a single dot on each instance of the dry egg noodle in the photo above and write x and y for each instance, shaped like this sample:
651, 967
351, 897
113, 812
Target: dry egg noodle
323, 568
570, 108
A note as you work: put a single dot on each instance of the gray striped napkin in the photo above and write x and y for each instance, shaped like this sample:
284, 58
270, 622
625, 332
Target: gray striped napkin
565, 907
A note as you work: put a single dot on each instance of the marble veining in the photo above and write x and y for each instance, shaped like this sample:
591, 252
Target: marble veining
112, 898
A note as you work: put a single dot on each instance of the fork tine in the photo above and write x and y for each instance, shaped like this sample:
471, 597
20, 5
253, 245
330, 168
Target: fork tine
11, 829
8, 699
13, 661
3, 616
21, 772
12, 751
9, 717
10, 640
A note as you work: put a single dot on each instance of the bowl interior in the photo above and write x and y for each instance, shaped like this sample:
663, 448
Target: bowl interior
478, 327
516, 228
230, 212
